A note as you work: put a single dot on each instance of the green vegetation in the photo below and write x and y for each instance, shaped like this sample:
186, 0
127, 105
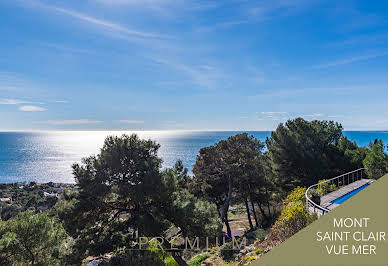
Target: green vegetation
228, 251
294, 215
257, 251
197, 260
376, 160
233, 169
32, 239
34, 197
122, 194
325, 188
302, 152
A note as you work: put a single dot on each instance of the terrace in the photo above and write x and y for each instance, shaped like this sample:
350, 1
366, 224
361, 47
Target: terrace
326, 195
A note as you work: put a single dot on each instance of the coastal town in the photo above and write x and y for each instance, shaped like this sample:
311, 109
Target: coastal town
22, 196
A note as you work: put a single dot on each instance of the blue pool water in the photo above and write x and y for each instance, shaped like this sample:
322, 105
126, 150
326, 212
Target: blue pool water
349, 195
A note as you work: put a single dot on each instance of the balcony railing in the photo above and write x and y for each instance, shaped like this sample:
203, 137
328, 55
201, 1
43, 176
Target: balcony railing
337, 181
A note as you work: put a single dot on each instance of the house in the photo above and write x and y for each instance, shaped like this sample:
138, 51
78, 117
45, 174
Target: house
6, 199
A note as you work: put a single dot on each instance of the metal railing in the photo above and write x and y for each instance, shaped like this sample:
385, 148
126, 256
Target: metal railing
338, 181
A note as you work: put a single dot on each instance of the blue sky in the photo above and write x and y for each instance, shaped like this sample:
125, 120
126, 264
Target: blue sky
184, 65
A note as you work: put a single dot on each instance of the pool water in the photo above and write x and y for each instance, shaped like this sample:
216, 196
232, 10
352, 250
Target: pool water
349, 195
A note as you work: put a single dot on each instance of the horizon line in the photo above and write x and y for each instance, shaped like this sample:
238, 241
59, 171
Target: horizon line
163, 130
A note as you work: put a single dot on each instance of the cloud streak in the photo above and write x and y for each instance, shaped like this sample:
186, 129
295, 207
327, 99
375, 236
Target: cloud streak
316, 115
131, 121
273, 113
16, 102
104, 24
73, 122
31, 108
204, 76
350, 60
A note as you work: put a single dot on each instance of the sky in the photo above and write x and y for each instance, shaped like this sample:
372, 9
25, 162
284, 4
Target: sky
192, 65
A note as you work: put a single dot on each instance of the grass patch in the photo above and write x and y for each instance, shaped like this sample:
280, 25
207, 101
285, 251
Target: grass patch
197, 260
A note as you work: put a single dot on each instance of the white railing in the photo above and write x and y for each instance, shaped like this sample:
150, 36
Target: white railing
338, 181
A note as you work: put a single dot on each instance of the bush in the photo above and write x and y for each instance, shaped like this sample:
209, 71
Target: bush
136, 257
248, 259
325, 188
315, 196
171, 262
227, 251
252, 236
161, 254
298, 194
294, 216
257, 251
197, 260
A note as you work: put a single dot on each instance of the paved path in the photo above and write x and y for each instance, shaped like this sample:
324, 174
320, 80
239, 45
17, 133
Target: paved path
327, 199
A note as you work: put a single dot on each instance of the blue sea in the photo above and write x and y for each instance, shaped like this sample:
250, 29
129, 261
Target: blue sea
48, 156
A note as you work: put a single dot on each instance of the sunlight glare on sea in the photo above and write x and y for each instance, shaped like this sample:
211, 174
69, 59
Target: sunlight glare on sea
48, 156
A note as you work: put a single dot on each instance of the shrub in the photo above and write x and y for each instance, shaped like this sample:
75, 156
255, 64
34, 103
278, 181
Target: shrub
171, 262
298, 194
325, 188
315, 196
197, 260
294, 216
136, 257
257, 251
252, 236
248, 259
161, 254
228, 251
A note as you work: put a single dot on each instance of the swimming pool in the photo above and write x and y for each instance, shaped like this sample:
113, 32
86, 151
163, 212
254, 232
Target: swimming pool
349, 195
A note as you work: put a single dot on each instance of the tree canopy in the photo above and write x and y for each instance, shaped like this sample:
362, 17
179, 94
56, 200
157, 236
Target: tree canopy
230, 167
123, 194
32, 239
376, 160
302, 152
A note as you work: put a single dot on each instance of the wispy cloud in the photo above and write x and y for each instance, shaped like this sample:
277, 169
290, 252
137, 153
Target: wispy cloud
165, 7
220, 26
316, 115
265, 10
11, 82
31, 108
273, 113
366, 39
205, 76
16, 102
133, 2
131, 121
105, 25
66, 49
73, 122
350, 60
335, 116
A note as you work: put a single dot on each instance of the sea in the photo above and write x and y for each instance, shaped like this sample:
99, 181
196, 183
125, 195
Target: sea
48, 156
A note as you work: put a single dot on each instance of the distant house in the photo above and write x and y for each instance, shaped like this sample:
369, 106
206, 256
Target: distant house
5, 199
58, 189
46, 194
